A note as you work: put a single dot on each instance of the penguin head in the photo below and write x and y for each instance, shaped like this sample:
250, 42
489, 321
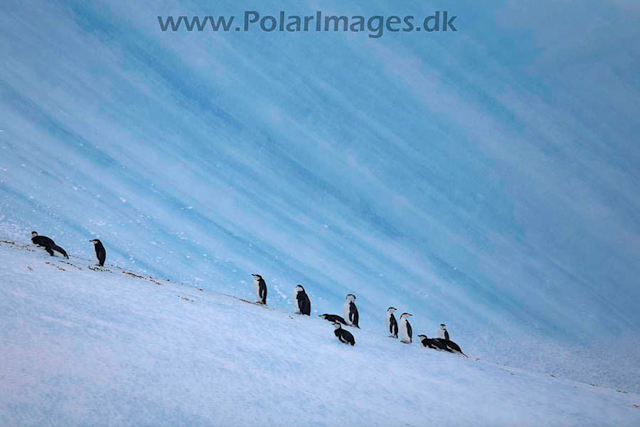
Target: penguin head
351, 297
34, 233
257, 276
405, 315
391, 310
323, 316
299, 288
422, 336
337, 325
443, 326
94, 241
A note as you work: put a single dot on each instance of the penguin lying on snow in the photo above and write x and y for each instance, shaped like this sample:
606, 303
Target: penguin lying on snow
344, 337
301, 300
101, 253
333, 318
351, 311
433, 343
392, 323
452, 347
260, 287
441, 344
48, 244
405, 328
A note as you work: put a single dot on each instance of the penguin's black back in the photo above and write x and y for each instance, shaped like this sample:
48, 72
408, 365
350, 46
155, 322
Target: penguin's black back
345, 336
393, 325
42, 241
452, 346
435, 344
334, 318
101, 253
304, 303
262, 289
354, 317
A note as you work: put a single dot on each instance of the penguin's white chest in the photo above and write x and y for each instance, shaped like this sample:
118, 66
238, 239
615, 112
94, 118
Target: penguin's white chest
404, 330
95, 254
296, 301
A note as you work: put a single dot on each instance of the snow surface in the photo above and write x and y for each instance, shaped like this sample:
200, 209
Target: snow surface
487, 179
84, 347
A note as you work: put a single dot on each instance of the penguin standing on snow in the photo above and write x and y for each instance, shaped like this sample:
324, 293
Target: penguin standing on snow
333, 318
101, 253
433, 343
344, 337
260, 287
351, 311
48, 244
442, 332
405, 328
392, 323
302, 300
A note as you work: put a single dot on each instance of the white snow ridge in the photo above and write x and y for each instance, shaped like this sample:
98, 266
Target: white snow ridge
107, 347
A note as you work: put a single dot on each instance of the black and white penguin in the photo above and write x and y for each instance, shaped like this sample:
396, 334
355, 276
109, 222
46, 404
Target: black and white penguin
452, 347
333, 318
433, 343
48, 244
260, 287
392, 323
301, 300
351, 311
101, 253
442, 332
344, 337
405, 328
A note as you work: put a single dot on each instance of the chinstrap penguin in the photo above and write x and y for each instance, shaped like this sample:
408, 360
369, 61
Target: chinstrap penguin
433, 343
343, 336
48, 244
405, 328
333, 318
351, 311
442, 332
392, 323
260, 287
301, 300
101, 253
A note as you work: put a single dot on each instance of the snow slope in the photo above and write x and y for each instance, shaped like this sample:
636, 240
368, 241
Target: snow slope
487, 178
84, 347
